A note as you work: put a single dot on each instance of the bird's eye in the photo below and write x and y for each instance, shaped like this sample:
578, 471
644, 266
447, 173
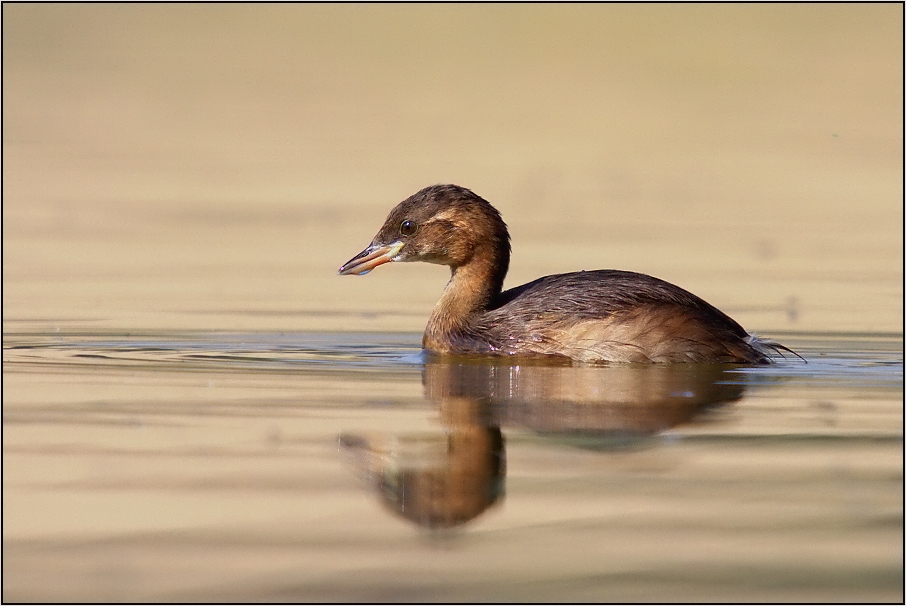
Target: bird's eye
408, 228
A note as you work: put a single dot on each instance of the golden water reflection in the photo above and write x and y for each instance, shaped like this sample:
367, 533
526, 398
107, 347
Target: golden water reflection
204, 467
443, 481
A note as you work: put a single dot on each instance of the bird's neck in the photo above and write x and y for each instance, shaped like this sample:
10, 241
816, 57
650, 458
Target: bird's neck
472, 289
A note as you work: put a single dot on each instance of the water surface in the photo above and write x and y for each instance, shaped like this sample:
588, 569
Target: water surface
352, 466
173, 171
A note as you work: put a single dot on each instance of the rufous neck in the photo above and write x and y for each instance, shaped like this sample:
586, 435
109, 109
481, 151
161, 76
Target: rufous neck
472, 288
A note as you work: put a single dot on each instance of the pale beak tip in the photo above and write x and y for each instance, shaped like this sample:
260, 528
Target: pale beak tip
341, 272
368, 259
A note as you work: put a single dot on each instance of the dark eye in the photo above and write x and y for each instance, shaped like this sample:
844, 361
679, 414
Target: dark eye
407, 228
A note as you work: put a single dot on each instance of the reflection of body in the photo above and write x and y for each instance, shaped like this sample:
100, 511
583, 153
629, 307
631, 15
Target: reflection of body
626, 399
447, 480
591, 316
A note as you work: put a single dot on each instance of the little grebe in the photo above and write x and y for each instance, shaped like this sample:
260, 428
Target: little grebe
590, 316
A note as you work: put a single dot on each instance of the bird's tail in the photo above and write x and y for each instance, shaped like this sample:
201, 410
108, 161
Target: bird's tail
771, 349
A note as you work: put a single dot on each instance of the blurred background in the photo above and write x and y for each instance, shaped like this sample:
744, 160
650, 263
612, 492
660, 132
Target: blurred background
205, 167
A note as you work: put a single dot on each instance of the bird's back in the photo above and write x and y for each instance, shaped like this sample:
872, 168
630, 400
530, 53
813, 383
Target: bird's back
610, 315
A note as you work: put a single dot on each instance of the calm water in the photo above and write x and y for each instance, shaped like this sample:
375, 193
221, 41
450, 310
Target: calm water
351, 466
169, 167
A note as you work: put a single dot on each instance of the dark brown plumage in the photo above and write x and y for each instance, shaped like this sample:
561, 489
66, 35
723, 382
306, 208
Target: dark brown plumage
590, 316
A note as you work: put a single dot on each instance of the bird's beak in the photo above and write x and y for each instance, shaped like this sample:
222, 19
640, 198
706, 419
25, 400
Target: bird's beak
371, 257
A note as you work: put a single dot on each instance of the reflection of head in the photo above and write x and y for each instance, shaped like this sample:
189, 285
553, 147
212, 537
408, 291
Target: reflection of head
436, 483
458, 490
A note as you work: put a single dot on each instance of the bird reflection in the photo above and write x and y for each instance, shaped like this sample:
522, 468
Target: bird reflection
446, 480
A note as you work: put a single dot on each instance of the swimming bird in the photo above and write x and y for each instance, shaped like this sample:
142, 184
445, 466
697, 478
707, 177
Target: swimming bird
589, 316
